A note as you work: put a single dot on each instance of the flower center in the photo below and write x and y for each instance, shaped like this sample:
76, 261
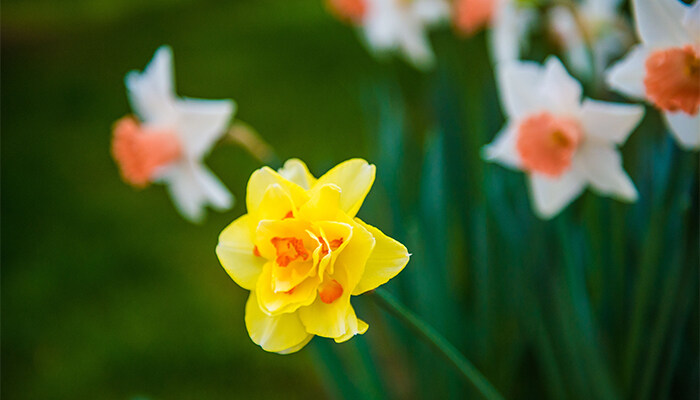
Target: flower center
546, 143
350, 10
672, 79
289, 249
140, 152
329, 291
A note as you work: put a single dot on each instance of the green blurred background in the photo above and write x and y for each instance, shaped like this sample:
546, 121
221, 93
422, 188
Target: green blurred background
108, 293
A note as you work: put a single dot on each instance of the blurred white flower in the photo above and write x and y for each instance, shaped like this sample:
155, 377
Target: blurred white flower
597, 22
562, 143
170, 138
665, 68
396, 25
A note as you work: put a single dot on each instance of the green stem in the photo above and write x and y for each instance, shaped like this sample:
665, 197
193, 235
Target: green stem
437, 342
249, 139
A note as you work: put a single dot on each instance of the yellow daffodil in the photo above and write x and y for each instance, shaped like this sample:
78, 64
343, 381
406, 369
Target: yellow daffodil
302, 253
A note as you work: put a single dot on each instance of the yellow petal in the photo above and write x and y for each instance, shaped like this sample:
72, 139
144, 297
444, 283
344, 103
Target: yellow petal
296, 171
235, 252
259, 182
328, 320
276, 303
353, 258
354, 178
336, 236
276, 203
353, 325
279, 334
323, 205
297, 347
388, 258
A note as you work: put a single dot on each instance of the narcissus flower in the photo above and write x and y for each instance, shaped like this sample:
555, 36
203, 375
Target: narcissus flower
665, 68
169, 137
563, 144
396, 25
302, 253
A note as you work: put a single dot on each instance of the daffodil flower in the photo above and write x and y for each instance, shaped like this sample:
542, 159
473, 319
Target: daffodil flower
597, 23
396, 25
169, 137
665, 68
563, 144
302, 253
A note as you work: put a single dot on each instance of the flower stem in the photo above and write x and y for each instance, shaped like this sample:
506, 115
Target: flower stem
245, 136
437, 342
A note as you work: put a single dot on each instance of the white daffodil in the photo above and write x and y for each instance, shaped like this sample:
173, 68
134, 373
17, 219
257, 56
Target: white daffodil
396, 25
170, 138
562, 143
600, 24
665, 68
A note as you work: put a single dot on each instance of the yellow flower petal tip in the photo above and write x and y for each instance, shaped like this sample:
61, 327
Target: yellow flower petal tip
303, 254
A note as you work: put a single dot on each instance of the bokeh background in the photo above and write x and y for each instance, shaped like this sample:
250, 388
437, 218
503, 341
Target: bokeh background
108, 293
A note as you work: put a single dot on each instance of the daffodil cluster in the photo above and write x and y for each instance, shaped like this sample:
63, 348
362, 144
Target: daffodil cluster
302, 253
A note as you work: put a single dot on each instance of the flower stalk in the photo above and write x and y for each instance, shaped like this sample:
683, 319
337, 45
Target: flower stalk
437, 342
245, 136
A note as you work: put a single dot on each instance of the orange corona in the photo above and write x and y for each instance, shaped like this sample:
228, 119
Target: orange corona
672, 79
547, 143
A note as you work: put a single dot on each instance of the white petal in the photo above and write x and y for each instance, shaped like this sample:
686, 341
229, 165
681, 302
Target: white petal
151, 92
380, 24
602, 166
201, 123
691, 22
416, 47
567, 30
659, 22
685, 128
551, 195
430, 11
609, 122
509, 31
502, 149
185, 190
215, 192
627, 75
562, 93
192, 186
519, 83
